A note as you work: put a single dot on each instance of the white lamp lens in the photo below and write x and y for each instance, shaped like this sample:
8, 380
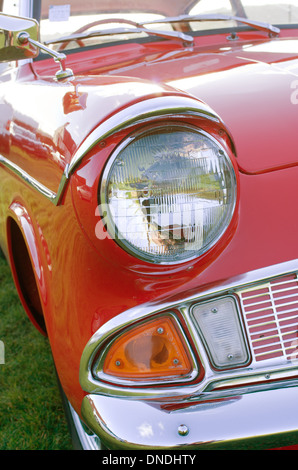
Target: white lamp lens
219, 326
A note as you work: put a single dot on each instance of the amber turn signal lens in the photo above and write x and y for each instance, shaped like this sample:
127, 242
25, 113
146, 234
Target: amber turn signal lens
153, 350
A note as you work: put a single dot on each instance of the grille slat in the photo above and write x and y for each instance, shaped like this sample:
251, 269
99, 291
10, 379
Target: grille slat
271, 316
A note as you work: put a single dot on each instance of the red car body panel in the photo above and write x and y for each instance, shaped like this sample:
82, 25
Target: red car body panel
84, 282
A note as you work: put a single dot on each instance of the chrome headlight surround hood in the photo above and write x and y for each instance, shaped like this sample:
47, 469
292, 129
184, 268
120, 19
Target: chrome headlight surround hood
145, 111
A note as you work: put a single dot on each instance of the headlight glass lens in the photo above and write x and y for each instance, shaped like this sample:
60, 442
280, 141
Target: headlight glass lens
168, 194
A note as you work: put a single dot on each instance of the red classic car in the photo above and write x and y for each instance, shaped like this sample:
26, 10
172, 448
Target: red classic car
148, 188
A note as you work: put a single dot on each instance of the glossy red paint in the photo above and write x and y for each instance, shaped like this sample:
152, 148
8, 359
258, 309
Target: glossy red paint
83, 282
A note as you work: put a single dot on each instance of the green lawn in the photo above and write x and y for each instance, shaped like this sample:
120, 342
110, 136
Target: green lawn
31, 412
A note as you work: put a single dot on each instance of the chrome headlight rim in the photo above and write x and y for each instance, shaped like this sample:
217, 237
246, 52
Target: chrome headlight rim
107, 219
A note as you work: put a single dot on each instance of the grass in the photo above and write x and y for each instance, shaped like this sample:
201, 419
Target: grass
31, 411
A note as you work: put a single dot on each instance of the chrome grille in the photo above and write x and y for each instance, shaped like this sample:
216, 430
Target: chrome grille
271, 316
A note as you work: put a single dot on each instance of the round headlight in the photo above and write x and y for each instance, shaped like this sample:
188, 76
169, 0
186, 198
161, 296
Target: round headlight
168, 194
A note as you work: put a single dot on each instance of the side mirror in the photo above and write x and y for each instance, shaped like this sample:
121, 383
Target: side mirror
11, 48
19, 40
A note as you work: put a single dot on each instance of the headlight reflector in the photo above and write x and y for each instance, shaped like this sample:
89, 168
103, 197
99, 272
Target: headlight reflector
168, 194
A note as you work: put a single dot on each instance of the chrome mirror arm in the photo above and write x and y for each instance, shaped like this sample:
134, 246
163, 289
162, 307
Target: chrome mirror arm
24, 38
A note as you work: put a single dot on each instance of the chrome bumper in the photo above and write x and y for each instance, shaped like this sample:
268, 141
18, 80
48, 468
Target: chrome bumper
253, 407
255, 420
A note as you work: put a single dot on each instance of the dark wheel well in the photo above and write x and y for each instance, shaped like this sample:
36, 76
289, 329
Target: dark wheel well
25, 275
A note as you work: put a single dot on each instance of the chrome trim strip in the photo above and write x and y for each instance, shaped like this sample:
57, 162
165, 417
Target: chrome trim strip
185, 38
33, 183
27, 178
168, 107
259, 25
212, 381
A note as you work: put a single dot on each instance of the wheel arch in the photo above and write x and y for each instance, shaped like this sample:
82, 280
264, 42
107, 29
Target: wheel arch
25, 258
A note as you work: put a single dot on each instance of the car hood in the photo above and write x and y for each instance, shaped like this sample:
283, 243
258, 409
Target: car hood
253, 87
256, 100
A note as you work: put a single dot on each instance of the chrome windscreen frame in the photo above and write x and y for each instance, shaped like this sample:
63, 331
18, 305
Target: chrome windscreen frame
215, 383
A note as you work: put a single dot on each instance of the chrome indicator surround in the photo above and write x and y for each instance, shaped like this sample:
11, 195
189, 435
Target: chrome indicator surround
215, 383
97, 367
93, 378
166, 107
